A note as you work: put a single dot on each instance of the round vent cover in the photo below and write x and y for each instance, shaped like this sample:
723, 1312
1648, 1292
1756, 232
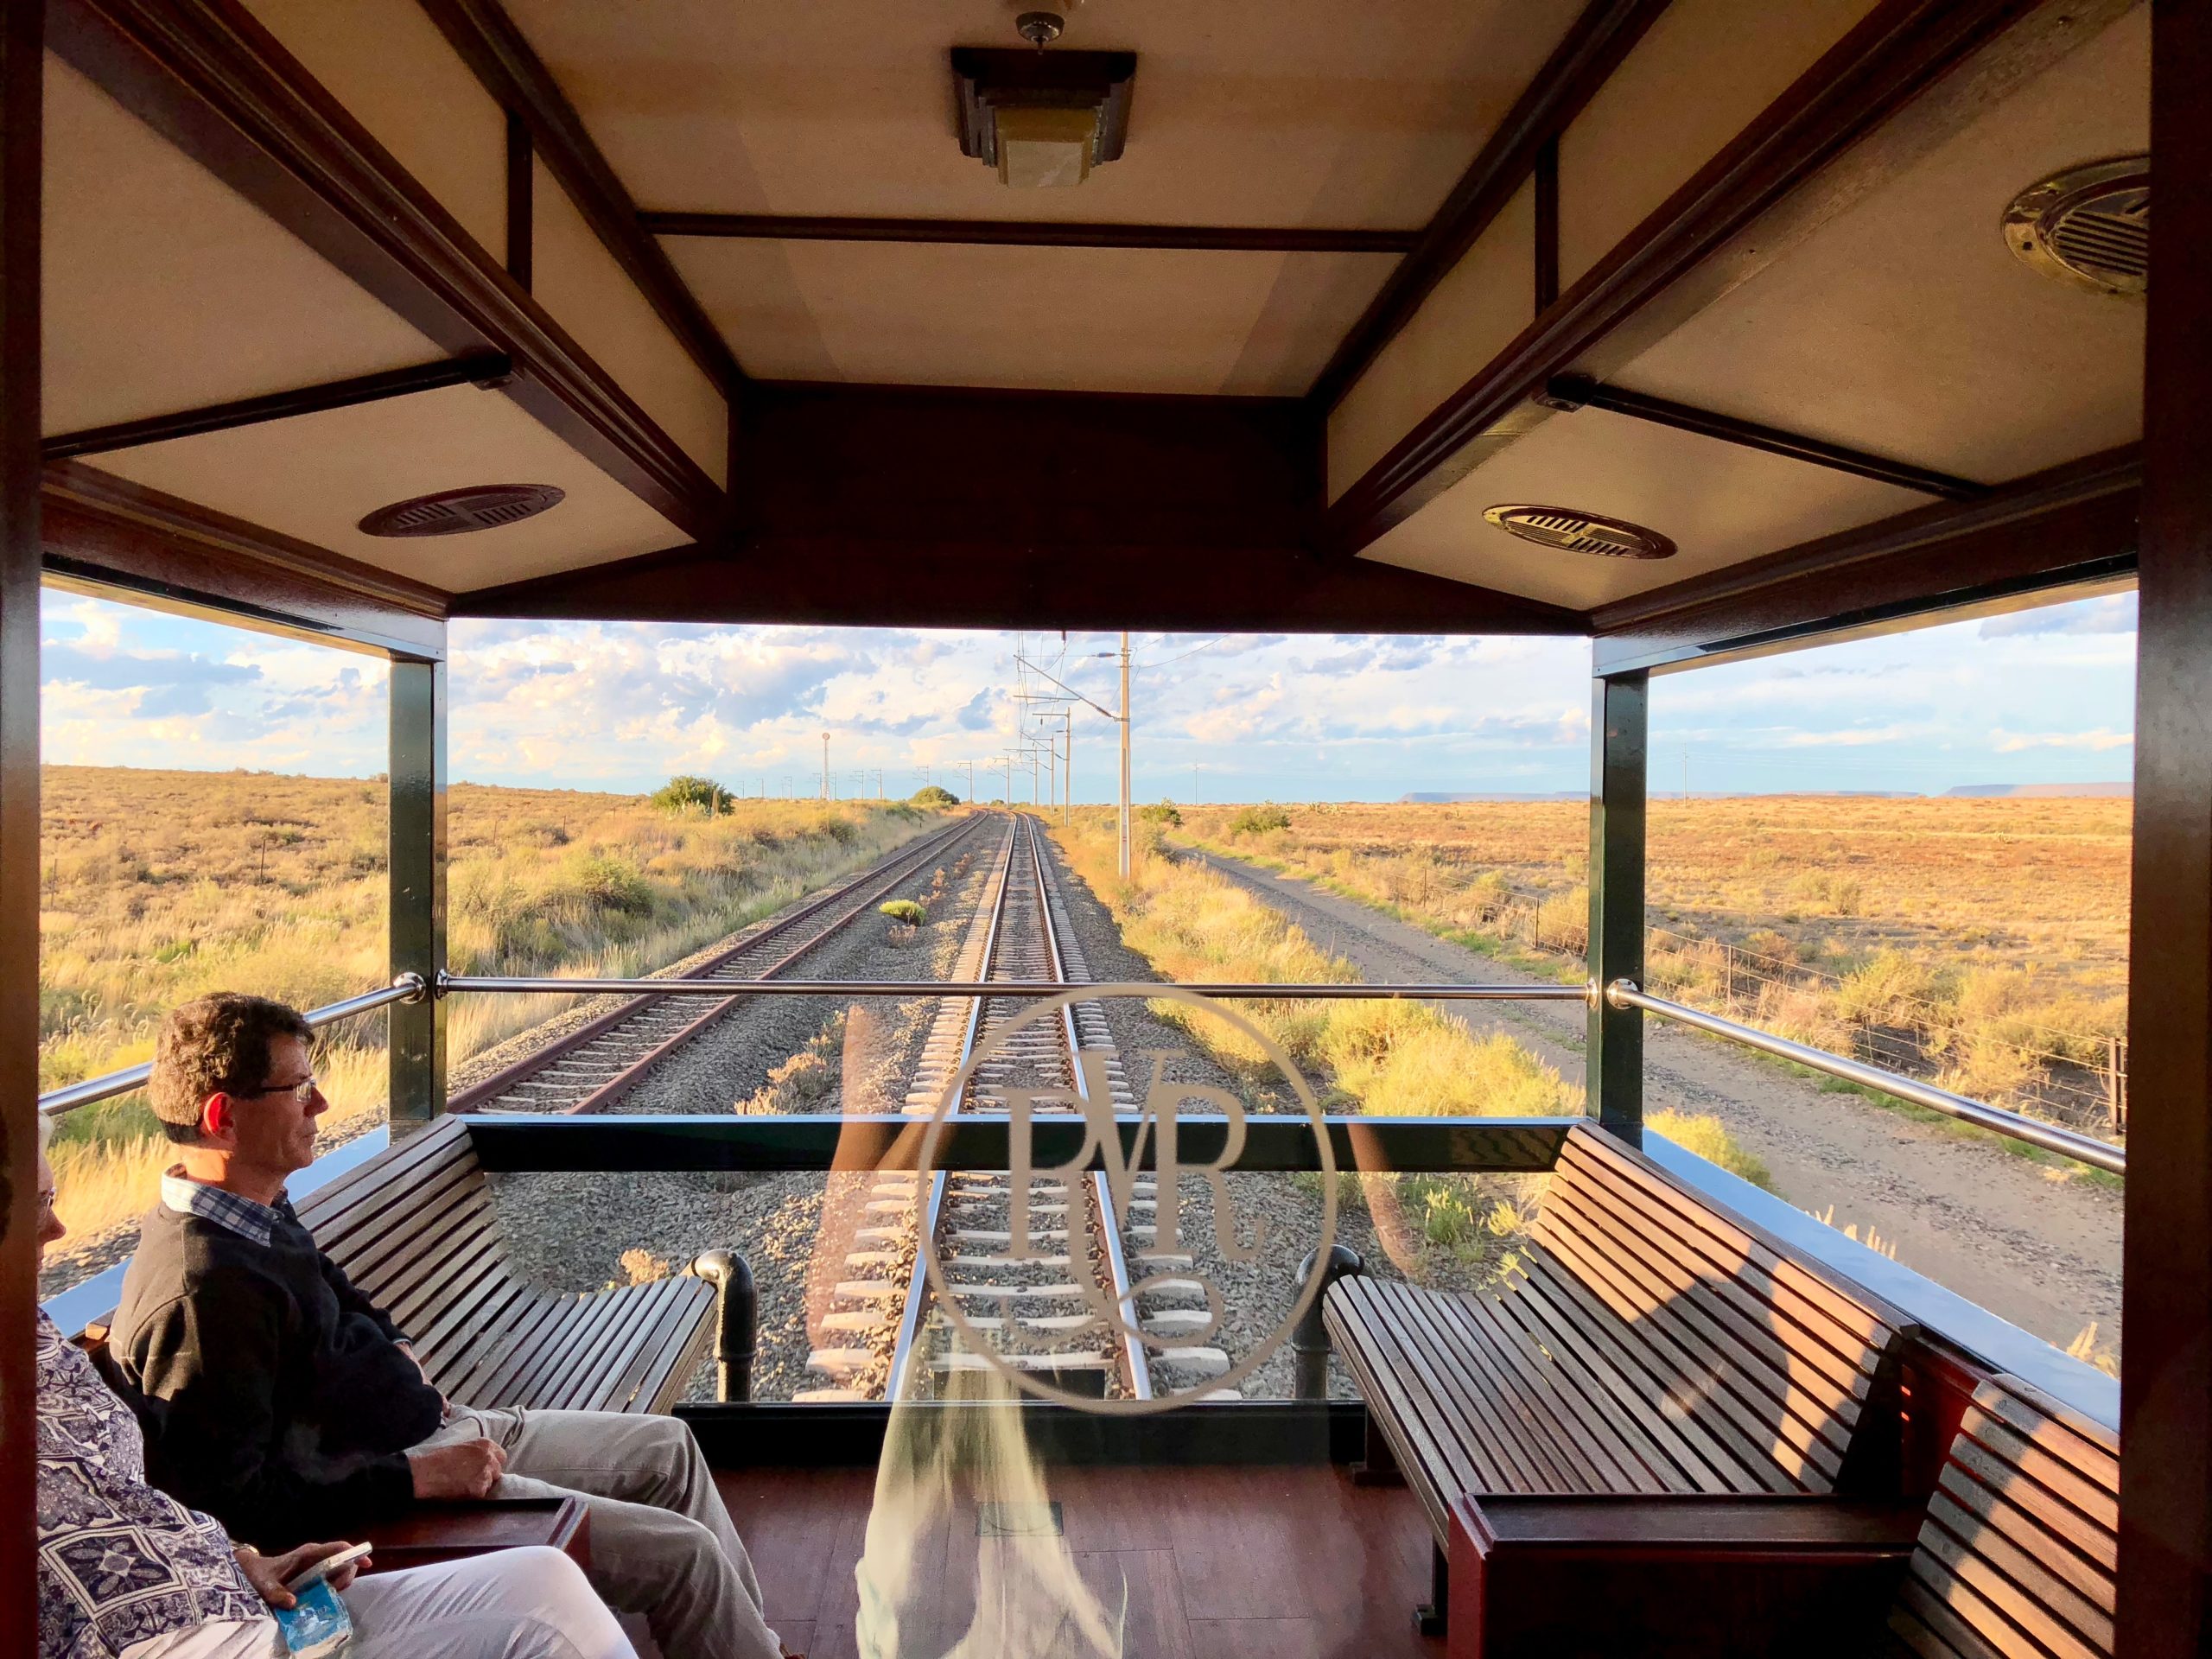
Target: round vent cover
455, 512
2089, 226
1570, 531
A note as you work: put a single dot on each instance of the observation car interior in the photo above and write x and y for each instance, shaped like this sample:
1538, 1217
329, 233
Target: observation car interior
1697, 328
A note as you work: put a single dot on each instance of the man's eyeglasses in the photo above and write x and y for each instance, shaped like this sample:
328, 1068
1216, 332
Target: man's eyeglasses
303, 1091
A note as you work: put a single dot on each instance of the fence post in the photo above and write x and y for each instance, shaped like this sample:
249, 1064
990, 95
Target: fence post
2116, 1084
1614, 1062
419, 887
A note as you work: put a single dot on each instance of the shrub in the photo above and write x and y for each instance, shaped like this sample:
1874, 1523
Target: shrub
904, 910
688, 794
1259, 820
933, 795
1163, 812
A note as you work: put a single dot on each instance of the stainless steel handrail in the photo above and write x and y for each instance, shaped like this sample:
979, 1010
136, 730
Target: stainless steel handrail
2101, 1155
408, 988
449, 984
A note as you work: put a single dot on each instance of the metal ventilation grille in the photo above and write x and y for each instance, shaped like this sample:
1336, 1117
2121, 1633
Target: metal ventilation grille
2089, 226
456, 513
1568, 532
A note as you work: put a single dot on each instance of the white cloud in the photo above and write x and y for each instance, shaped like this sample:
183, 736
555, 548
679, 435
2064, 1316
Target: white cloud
2014, 742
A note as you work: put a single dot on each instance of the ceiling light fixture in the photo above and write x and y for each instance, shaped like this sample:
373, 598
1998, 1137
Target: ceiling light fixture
1566, 531
1044, 119
456, 513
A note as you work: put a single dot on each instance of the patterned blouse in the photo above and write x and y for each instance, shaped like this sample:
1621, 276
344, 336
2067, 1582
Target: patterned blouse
118, 1562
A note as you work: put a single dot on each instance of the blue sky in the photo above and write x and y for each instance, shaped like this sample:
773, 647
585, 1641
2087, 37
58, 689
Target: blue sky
2036, 696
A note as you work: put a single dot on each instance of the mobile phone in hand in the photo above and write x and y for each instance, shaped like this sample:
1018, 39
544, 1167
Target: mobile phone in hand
323, 1568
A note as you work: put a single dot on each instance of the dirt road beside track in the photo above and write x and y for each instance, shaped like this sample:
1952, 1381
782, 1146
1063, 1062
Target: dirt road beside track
2041, 1252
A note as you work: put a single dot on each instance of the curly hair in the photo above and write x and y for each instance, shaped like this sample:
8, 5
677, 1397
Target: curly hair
215, 1045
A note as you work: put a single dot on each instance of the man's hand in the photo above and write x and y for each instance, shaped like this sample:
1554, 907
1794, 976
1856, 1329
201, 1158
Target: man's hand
445, 1406
267, 1573
465, 1469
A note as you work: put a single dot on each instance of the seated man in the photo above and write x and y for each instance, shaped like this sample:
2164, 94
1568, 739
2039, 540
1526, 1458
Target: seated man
291, 1408
125, 1571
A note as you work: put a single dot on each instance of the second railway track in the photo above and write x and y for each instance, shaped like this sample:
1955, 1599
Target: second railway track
592, 1068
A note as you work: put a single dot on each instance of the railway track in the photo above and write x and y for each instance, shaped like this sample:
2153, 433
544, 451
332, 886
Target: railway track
590, 1069
883, 1335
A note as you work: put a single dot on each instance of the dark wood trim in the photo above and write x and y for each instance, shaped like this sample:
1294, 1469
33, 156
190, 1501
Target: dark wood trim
1568, 392
511, 71
1240, 1432
1896, 53
21, 92
1546, 226
1029, 234
507, 1142
483, 369
106, 533
2165, 1608
2073, 524
522, 202
1603, 34
836, 581
210, 78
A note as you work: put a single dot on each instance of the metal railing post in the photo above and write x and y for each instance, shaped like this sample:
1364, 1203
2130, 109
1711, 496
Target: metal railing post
737, 1308
1619, 718
1309, 1339
418, 887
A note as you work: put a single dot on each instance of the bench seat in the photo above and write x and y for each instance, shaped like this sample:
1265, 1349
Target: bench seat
1645, 1343
415, 1229
2019, 1554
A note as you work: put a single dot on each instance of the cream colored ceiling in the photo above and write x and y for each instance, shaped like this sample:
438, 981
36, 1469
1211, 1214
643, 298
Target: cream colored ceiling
1905, 326
1092, 319
1244, 111
315, 477
1719, 502
166, 291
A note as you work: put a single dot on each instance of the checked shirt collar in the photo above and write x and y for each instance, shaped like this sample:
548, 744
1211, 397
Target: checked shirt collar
241, 1215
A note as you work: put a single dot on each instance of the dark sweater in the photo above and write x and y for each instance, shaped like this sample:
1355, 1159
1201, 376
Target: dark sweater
282, 1402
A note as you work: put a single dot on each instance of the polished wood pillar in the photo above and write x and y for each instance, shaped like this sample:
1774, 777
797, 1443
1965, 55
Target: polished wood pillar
2165, 1515
1619, 718
419, 887
21, 46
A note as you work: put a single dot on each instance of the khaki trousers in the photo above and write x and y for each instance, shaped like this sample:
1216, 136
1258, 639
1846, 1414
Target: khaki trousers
662, 1544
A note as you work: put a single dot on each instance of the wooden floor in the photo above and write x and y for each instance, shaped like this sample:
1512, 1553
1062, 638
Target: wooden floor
1217, 1563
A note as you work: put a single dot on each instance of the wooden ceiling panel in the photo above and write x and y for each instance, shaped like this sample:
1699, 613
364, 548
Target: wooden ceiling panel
1720, 505
1054, 319
1906, 326
166, 291
1245, 112
316, 476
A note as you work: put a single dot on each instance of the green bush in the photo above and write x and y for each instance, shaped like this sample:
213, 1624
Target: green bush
689, 794
1259, 820
935, 795
905, 910
1164, 813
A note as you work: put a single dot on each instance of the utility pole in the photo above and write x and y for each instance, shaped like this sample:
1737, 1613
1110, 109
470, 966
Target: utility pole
1067, 791
971, 783
878, 782
1125, 754
825, 767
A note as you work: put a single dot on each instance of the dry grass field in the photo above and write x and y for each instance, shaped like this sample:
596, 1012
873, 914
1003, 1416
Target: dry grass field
1983, 942
157, 887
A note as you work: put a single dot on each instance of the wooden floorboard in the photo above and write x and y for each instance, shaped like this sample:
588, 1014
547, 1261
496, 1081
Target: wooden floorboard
1197, 1563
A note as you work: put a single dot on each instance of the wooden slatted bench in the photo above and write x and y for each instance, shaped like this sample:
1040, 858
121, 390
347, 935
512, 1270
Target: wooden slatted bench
2018, 1551
414, 1229
1648, 1344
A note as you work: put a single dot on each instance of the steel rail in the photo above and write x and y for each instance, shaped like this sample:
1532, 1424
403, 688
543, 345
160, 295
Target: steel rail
2099, 1154
408, 988
456, 984
1109, 1231
910, 1316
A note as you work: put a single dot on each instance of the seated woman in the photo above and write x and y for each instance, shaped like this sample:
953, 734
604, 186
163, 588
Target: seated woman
126, 1572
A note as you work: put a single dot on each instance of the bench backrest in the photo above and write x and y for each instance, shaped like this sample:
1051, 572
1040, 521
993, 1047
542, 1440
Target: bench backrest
1783, 1362
2018, 1551
415, 1231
